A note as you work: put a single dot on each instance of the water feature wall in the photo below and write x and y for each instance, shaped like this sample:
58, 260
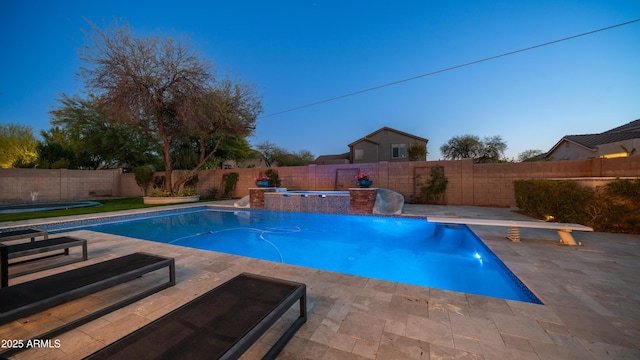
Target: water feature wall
325, 202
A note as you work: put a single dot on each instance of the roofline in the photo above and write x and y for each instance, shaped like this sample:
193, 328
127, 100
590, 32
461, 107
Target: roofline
366, 137
571, 141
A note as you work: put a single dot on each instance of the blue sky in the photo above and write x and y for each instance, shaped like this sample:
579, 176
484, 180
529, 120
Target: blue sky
301, 52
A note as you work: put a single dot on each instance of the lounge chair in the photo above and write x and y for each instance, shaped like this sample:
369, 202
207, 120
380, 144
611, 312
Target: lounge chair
221, 324
31, 250
28, 298
23, 234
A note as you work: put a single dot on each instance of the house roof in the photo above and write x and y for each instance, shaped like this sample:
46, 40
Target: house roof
324, 158
386, 128
592, 141
632, 126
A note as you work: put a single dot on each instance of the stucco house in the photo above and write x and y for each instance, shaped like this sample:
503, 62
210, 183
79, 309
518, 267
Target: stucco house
617, 142
384, 144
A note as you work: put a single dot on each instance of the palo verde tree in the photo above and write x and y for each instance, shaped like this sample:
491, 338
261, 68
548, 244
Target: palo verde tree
159, 86
18, 146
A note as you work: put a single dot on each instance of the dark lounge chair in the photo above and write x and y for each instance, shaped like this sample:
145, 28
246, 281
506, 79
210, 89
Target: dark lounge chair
221, 324
23, 234
28, 298
44, 248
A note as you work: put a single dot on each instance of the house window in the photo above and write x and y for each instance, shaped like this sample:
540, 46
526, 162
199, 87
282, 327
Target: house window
398, 151
359, 154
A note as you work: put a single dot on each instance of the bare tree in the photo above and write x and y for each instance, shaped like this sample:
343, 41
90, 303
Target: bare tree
461, 147
160, 86
491, 149
270, 152
530, 155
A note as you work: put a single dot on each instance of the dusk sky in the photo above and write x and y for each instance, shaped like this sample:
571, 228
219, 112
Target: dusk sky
302, 52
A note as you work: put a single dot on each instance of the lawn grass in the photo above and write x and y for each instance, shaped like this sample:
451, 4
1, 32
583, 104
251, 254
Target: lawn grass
107, 205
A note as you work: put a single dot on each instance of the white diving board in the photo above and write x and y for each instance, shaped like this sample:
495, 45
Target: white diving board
564, 229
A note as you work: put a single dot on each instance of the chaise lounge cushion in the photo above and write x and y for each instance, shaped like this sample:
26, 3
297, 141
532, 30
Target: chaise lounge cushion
220, 324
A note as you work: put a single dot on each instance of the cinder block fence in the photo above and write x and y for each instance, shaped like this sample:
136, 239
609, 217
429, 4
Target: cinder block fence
469, 183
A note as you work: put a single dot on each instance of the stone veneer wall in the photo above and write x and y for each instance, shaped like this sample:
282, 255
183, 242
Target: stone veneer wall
326, 204
256, 197
358, 201
361, 201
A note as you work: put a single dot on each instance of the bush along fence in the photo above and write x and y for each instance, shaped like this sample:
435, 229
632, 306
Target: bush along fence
614, 207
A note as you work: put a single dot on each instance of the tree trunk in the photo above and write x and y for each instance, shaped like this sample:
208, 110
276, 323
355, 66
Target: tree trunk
168, 172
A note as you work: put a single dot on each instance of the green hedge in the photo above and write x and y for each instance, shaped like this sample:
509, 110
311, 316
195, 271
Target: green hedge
614, 207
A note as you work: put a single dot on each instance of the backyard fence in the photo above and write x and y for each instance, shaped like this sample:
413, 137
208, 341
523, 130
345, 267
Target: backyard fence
468, 183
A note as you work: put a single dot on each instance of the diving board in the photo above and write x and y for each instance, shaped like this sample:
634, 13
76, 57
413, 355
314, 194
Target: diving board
564, 229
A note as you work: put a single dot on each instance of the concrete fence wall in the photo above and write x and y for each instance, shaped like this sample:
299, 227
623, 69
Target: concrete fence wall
27, 185
469, 183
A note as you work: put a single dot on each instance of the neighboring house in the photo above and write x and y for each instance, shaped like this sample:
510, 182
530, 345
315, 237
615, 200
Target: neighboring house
618, 142
384, 144
333, 159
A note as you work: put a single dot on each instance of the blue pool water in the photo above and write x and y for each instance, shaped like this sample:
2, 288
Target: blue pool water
19, 208
405, 250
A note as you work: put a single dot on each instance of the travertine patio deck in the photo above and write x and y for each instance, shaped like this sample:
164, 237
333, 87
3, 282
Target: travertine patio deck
591, 295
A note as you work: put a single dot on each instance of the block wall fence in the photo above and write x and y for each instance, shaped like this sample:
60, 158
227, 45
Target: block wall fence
469, 183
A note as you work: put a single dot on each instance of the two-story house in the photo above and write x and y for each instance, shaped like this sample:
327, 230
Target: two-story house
384, 144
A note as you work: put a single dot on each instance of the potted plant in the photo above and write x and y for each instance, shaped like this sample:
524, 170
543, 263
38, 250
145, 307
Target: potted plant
363, 180
262, 181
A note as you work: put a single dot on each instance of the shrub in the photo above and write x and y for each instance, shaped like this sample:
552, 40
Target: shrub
432, 192
143, 176
230, 180
212, 193
618, 207
158, 192
158, 182
611, 208
192, 182
274, 179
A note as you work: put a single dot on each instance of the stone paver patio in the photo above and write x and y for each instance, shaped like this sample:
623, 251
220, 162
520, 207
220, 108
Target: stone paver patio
591, 296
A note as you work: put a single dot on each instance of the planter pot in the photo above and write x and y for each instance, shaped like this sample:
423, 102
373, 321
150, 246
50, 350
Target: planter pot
364, 183
156, 200
262, 183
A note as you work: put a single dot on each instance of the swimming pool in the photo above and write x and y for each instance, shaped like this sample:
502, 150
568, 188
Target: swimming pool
406, 250
18, 208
